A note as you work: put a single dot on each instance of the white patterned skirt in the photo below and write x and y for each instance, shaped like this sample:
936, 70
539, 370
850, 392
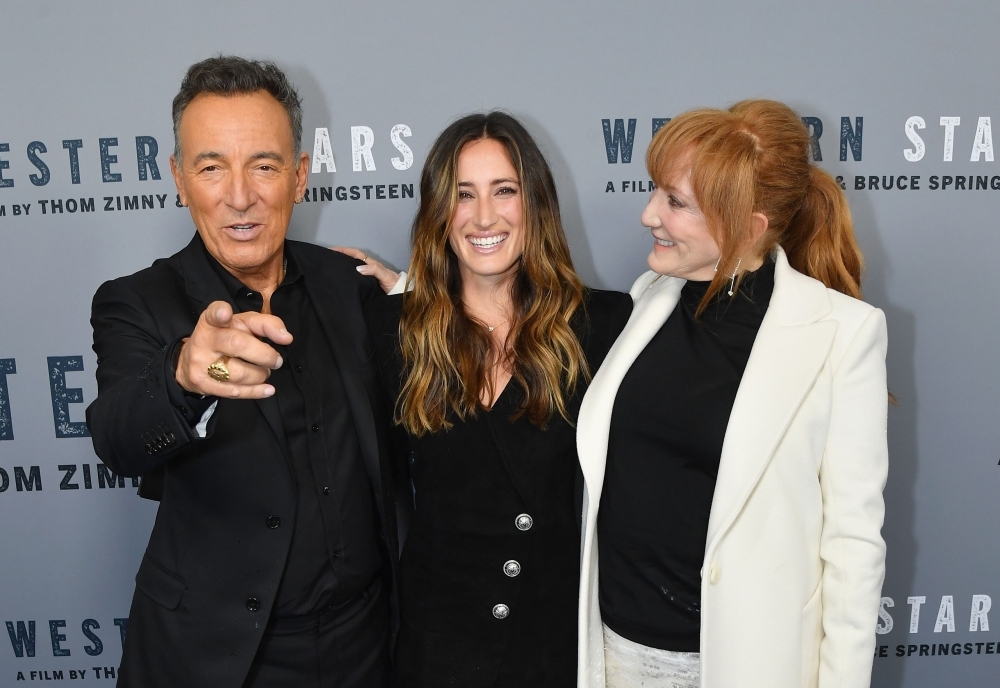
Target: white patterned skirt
631, 665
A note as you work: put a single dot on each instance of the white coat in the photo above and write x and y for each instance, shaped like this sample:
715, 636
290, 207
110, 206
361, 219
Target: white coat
794, 559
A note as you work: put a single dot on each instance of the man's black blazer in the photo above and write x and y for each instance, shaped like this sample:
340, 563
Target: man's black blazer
208, 579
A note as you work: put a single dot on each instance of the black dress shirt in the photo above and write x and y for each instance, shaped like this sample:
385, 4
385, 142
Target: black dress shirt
335, 551
665, 444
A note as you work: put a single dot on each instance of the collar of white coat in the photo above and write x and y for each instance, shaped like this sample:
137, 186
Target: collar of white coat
797, 300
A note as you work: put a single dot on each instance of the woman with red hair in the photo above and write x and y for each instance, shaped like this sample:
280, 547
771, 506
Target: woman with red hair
733, 443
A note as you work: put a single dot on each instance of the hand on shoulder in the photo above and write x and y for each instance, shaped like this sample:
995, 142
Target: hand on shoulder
387, 278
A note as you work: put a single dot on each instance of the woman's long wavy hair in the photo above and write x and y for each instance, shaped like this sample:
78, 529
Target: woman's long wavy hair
754, 157
448, 357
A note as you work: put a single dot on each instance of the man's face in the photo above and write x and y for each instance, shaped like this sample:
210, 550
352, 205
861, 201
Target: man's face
238, 175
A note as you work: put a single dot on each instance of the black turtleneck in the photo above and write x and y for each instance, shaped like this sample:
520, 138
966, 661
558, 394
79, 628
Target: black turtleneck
667, 428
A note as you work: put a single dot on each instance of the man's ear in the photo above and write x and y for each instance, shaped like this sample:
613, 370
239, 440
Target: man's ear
175, 172
302, 175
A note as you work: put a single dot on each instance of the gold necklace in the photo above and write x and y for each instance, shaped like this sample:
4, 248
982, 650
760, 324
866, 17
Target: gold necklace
490, 328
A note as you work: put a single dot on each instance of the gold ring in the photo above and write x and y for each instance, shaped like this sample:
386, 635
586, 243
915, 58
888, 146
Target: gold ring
365, 259
219, 371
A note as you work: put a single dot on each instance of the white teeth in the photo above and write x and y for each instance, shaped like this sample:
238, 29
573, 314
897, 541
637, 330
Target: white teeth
487, 242
664, 242
241, 228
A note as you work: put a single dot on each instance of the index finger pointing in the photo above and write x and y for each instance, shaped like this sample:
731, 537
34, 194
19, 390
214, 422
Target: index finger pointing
219, 314
264, 325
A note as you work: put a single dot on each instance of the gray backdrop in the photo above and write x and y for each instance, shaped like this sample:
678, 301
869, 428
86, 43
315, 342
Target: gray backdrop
71, 536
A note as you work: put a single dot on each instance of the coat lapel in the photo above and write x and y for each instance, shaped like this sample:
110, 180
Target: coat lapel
655, 301
790, 350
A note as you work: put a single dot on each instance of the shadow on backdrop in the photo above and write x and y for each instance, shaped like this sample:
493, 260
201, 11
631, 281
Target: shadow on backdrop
569, 201
306, 218
898, 530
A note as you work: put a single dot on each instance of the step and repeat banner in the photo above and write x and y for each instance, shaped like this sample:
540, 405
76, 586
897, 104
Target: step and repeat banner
899, 101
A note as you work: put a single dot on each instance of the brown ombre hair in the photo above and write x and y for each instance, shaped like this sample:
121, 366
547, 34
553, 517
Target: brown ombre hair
754, 158
448, 357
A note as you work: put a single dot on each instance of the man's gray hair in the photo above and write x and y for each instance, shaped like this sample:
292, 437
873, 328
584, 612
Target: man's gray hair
229, 75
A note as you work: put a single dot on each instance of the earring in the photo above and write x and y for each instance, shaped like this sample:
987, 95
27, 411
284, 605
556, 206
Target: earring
732, 278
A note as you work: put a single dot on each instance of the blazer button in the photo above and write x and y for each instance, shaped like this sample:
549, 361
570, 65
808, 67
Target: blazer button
524, 522
253, 604
273, 522
713, 574
512, 568
315, 427
501, 611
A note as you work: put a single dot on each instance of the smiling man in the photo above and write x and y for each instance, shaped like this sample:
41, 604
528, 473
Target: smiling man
236, 378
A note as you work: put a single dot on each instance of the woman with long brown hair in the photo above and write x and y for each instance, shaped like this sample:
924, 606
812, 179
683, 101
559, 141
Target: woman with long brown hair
488, 356
733, 443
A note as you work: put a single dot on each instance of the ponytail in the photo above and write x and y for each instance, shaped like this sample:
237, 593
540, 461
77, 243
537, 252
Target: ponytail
752, 158
820, 242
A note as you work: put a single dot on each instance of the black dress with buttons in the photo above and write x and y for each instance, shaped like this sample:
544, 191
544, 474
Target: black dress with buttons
490, 568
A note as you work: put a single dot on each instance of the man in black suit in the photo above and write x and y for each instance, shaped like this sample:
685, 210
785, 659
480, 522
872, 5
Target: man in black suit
237, 378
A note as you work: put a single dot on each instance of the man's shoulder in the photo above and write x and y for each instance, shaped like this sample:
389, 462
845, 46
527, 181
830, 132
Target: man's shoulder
337, 270
314, 255
159, 279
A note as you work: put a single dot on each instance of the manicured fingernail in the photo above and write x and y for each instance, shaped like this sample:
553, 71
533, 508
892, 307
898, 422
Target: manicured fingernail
269, 391
284, 331
236, 392
361, 269
277, 364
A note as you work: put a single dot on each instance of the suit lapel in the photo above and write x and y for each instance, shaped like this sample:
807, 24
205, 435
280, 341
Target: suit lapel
655, 301
328, 304
269, 407
790, 350
203, 286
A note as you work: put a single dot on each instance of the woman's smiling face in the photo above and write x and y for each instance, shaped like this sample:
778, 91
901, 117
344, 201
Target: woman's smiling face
487, 231
682, 244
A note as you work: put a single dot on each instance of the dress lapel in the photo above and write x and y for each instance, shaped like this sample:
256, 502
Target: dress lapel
790, 350
514, 441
